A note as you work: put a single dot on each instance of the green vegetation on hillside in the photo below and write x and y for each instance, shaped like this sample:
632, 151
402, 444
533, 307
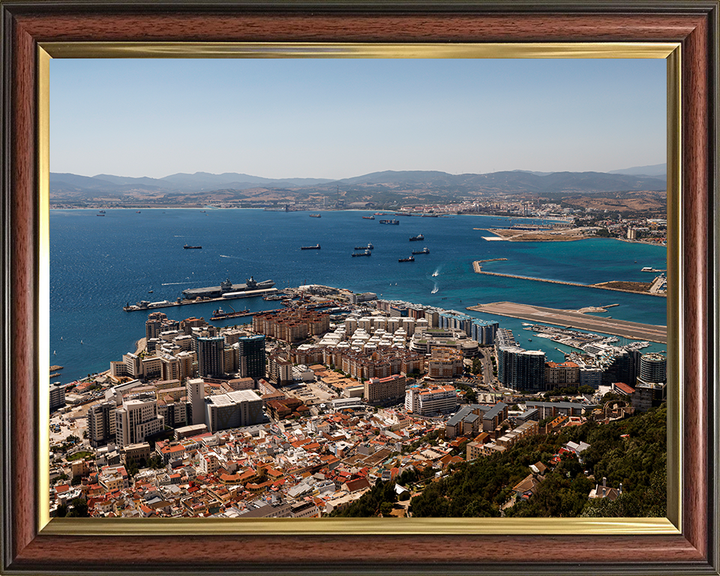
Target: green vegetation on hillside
630, 451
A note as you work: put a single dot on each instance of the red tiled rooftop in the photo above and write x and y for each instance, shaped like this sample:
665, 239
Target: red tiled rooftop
624, 387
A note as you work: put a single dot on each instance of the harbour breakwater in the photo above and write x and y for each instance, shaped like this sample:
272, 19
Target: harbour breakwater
477, 267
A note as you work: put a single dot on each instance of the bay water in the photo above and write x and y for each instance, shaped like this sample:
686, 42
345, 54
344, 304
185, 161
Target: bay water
100, 264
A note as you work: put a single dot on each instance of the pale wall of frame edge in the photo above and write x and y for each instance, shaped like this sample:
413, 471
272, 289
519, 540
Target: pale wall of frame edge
354, 526
6, 502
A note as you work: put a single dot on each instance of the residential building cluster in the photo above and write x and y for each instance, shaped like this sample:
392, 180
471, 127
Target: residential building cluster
303, 413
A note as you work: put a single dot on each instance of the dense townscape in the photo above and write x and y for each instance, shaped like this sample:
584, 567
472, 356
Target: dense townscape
342, 403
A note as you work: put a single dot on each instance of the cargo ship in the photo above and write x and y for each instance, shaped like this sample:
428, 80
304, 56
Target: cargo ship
423, 251
188, 247
220, 314
393, 221
368, 247
417, 238
366, 253
315, 215
316, 247
411, 259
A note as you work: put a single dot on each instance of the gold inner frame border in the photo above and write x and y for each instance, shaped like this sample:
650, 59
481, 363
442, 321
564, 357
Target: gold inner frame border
357, 526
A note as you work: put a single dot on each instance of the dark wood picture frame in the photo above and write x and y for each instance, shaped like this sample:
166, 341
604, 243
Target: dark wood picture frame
28, 24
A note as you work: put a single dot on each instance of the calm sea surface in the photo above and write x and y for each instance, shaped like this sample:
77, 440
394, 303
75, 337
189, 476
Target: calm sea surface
99, 264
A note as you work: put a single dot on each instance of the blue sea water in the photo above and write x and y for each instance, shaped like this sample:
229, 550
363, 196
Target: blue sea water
99, 264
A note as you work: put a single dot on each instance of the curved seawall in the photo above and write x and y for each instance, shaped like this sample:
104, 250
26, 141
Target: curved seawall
478, 270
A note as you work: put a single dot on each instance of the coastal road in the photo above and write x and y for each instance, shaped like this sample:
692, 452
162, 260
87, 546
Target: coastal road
578, 320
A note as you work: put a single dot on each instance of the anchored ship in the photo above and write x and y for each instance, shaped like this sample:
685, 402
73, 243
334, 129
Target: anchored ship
226, 287
366, 253
393, 221
423, 251
368, 247
417, 238
411, 259
220, 314
188, 247
316, 247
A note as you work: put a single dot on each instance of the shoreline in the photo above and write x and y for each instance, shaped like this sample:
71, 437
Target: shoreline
140, 345
544, 236
392, 212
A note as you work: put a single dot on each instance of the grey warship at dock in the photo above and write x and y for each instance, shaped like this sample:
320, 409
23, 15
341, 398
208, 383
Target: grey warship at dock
225, 288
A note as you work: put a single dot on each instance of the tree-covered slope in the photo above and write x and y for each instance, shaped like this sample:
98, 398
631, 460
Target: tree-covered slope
631, 452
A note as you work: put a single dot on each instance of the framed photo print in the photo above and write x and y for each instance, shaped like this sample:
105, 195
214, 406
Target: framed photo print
459, 269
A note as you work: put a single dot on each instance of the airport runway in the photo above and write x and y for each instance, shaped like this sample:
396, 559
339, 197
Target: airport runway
578, 320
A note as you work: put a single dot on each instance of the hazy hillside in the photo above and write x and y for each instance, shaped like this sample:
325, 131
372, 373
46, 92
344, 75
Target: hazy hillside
387, 188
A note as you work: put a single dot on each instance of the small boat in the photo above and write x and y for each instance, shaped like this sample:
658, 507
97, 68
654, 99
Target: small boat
150, 291
417, 238
188, 247
434, 290
102, 212
411, 259
316, 247
435, 274
315, 215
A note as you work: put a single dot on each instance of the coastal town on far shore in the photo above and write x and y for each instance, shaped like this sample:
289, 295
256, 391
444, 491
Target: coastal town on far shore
314, 406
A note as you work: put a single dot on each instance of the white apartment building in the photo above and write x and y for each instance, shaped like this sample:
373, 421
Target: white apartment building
196, 397
137, 419
437, 399
232, 410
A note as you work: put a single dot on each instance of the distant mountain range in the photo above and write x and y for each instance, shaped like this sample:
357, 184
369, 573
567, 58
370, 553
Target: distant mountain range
387, 188
654, 170
198, 182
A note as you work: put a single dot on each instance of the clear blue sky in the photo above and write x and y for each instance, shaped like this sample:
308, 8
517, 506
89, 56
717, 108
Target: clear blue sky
336, 118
